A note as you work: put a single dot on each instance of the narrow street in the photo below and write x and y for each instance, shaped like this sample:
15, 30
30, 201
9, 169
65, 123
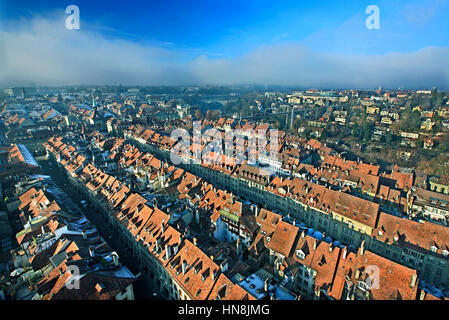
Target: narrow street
3, 139
143, 289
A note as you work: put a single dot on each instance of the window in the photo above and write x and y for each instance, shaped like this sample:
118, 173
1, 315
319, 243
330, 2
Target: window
300, 254
124, 291
362, 285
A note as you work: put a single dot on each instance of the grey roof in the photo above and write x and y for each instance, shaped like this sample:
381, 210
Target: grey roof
57, 259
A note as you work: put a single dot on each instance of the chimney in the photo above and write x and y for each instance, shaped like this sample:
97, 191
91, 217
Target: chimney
330, 247
357, 273
303, 234
99, 287
115, 259
91, 251
42, 230
168, 251
184, 266
194, 241
345, 251
162, 227
175, 248
414, 278
61, 272
84, 234
362, 248
265, 286
314, 244
422, 295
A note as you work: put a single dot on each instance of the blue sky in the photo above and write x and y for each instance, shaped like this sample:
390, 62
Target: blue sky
190, 33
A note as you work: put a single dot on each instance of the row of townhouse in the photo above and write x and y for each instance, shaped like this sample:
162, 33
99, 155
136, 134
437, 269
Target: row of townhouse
343, 216
316, 268
176, 265
61, 255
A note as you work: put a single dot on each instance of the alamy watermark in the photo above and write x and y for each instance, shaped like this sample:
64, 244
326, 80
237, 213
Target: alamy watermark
73, 282
372, 281
228, 148
372, 22
72, 22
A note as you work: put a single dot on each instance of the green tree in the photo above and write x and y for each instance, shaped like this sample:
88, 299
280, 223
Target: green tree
324, 135
307, 133
355, 130
367, 128
414, 120
389, 139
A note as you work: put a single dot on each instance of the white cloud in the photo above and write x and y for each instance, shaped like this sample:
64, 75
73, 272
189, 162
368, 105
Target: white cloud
43, 52
421, 12
295, 64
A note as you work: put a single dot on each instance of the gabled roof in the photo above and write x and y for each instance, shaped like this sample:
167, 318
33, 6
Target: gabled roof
224, 289
320, 256
389, 280
418, 235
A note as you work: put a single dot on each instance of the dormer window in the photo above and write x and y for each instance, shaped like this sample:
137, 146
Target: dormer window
362, 286
380, 232
300, 254
445, 253
433, 249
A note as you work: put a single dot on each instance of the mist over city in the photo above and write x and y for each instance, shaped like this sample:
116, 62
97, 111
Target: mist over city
266, 154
